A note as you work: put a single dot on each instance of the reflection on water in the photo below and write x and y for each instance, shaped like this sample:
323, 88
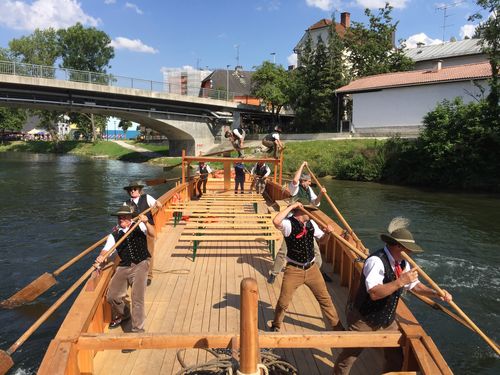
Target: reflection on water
54, 207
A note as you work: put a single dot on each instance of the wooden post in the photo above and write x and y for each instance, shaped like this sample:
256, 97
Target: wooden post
281, 168
183, 170
249, 339
227, 175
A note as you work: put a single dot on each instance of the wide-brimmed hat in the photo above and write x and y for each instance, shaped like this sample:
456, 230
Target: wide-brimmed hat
307, 207
135, 183
402, 237
124, 210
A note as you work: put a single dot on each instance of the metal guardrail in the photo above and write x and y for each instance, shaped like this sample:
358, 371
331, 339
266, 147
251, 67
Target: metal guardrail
64, 74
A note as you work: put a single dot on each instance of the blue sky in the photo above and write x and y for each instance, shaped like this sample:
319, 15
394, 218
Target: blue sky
150, 35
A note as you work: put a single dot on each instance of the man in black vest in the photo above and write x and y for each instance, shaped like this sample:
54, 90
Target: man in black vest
237, 137
385, 276
300, 188
141, 202
202, 172
131, 271
260, 171
273, 143
299, 232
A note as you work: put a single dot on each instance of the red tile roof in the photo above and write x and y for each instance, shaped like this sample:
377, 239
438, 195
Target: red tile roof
419, 77
339, 28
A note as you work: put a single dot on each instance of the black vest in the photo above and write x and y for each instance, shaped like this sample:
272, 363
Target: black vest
379, 313
134, 249
203, 173
141, 206
260, 171
300, 247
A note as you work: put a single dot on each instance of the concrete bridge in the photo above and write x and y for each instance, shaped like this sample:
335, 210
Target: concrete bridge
192, 123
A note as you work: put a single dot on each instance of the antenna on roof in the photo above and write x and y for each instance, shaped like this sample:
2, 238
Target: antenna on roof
444, 8
237, 46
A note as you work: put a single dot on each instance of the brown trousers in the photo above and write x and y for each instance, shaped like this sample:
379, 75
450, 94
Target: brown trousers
135, 276
280, 259
393, 356
151, 248
295, 277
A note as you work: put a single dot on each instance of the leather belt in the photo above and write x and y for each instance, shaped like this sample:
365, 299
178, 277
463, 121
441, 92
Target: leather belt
305, 266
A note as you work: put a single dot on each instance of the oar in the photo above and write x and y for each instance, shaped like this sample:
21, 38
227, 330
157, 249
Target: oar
436, 287
170, 167
40, 285
6, 361
159, 181
336, 211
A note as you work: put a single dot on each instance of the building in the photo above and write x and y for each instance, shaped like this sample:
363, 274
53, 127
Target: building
387, 104
235, 85
320, 30
183, 81
467, 51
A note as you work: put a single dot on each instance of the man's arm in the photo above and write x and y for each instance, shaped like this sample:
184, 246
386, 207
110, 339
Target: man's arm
278, 219
317, 201
383, 290
296, 178
429, 292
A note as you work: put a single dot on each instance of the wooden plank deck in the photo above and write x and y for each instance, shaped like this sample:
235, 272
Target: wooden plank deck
203, 296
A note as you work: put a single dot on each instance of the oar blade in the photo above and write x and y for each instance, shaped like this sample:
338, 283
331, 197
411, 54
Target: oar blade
6, 362
156, 181
30, 291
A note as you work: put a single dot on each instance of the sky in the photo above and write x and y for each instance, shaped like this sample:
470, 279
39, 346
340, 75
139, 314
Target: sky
152, 35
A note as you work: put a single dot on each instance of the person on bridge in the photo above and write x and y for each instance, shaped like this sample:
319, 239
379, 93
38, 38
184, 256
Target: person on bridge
239, 177
273, 143
237, 137
202, 173
260, 171
141, 202
131, 271
385, 275
301, 269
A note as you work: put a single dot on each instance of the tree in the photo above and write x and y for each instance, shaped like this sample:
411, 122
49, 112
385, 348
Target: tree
12, 119
39, 48
125, 125
371, 49
86, 49
270, 83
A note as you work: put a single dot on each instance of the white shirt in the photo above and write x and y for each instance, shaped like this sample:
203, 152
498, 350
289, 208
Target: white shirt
209, 170
238, 134
110, 242
294, 190
276, 136
286, 229
374, 271
151, 201
268, 170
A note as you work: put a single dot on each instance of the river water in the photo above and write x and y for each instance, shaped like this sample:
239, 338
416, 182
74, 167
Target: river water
56, 206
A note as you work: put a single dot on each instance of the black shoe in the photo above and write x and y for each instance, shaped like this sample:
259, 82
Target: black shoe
125, 351
327, 278
148, 283
138, 330
274, 329
271, 278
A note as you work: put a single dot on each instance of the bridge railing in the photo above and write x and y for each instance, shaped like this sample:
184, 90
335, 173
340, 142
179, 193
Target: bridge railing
73, 75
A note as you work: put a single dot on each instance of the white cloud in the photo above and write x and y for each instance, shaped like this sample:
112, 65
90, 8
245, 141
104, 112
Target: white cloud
109, 2
21, 15
134, 7
271, 5
292, 59
467, 30
372, 4
411, 42
322, 4
135, 45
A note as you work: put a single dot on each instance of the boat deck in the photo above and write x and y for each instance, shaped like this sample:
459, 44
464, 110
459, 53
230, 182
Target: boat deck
203, 295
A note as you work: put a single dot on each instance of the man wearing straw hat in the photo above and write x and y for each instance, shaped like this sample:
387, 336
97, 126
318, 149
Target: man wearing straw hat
385, 276
141, 202
131, 271
299, 232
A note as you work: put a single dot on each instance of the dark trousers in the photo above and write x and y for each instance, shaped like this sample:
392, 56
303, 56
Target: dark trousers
239, 181
202, 184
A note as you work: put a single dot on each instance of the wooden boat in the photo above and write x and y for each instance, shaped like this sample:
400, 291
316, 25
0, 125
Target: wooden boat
204, 249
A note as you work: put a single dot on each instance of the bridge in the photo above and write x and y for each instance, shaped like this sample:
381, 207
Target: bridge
191, 118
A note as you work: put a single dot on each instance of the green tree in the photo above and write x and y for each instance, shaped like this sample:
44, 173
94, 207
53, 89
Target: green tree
125, 125
371, 49
12, 119
86, 49
489, 32
39, 48
270, 83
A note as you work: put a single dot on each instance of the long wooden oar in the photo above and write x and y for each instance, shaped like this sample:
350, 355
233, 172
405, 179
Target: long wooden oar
159, 181
6, 361
436, 287
336, 211
40, 285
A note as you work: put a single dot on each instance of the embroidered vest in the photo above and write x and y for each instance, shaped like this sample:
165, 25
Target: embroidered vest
300, 244
382, 312
134, 249
142, 204
261, 171
204, 173
303, 195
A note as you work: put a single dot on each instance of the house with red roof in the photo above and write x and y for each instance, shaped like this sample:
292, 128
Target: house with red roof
396, 103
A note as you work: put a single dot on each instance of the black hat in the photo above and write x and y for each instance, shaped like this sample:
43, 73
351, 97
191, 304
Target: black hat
135, 183
124, 210
401, 235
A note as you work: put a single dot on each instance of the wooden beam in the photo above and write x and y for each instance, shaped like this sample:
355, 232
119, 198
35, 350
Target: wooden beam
232, 160
147, 340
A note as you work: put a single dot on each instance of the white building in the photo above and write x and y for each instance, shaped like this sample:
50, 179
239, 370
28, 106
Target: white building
184, 81
386, 104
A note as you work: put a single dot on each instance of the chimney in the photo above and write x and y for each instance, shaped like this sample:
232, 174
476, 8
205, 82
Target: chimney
438, 66
420, 44
345, 19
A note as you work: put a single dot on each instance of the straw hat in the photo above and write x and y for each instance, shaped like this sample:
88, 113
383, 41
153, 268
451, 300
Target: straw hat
124, 210
135, 183
400, 235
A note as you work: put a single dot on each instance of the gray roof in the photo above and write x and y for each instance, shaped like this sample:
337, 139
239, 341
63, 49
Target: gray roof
448, 49
240, 81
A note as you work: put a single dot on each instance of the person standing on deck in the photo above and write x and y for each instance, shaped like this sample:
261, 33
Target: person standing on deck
385, 275
237, 137
260, 171
141, 202
300, 191
132, 269
239, 177
273, 143
202, 172
299, 232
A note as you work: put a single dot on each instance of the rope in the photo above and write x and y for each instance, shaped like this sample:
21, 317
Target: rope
182, 271
224, 363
